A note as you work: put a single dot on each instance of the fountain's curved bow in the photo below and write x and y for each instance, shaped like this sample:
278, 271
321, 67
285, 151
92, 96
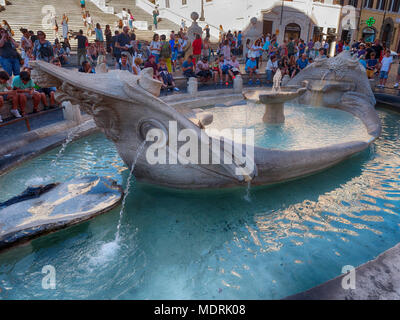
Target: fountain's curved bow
127, 109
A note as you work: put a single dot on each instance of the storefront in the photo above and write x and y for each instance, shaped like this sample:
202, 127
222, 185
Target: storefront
292, 31
369, 34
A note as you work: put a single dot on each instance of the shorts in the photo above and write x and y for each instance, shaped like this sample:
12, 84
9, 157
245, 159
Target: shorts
48, 91
225, 69
370, 73
383, 75
83, 6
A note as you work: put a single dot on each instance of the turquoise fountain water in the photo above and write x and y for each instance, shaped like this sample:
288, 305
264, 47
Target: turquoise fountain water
212, 243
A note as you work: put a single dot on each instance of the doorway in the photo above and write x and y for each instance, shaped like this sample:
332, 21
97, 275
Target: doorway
267, 27
292, 30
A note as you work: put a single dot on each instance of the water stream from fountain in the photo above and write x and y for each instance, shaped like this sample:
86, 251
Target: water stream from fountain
70, 136
109, 249
126, 191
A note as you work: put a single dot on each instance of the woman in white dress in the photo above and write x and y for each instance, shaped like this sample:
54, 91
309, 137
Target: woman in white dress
65, 26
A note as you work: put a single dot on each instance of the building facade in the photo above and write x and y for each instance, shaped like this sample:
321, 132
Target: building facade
329, 20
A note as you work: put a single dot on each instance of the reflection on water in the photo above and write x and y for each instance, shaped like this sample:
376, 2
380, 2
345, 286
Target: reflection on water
304, 127
211, 244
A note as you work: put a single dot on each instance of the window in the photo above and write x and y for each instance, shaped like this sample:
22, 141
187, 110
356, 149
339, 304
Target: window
380, 4
184, 2
338, 2
394, 5
368, 4
353, 3
209, 0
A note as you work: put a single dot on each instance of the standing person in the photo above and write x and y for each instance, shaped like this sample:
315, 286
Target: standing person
64, 23
248, 50
82, 41
122, 43
113, 41
226, 50
290, 48
125, 17
42, 49
386, 64
175, 51
257, 52
310, 47
130, 19
156, 13
55, 25
108, 34
302, 47
239, 38
99, 33
183, 24
89, 23
377, 47
166, 52
317, 46
272, 66
207, 30
155, 47
196, 45
221, 32
206, 51
181, 52
26, 42
83, 5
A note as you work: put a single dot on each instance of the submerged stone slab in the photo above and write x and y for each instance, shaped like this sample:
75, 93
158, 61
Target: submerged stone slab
62, 205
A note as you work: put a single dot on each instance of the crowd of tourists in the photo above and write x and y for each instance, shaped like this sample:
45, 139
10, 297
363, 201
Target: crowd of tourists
167, 55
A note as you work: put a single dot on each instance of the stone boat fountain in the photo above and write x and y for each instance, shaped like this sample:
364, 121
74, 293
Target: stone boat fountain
127, 109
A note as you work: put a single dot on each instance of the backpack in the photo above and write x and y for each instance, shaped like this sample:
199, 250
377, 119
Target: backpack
45, 51
165, 50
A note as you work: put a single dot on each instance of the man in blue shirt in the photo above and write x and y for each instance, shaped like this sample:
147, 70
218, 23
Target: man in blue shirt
251, 69
122, 43
302, 62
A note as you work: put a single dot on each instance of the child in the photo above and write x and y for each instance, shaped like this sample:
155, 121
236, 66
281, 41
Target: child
386, 64
372, 64
216, 70
7, 93
25, 87
167, 78
251, 69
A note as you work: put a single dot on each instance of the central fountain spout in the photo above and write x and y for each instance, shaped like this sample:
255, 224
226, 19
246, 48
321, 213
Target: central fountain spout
274, 102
